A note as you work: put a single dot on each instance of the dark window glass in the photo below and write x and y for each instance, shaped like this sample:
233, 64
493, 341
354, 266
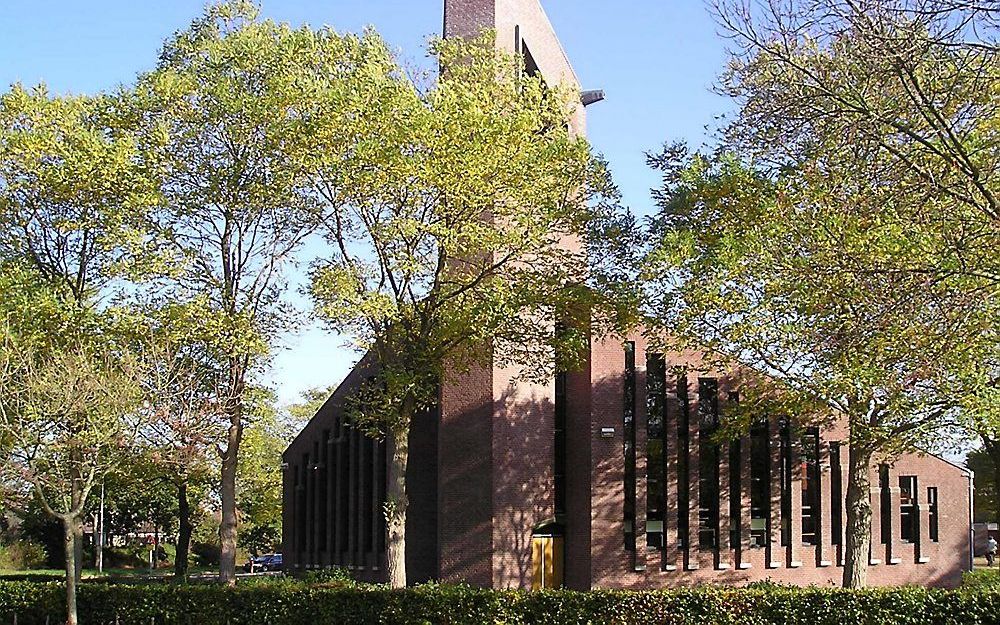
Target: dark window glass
324, 473
836, 494
735, 485
367, 497
809, 466
530, 66
785, 468
908, 518
708, 462
628, 441
303, 502
559, 444
760, 483
932, 512
344, 472
885, 502
683, 455
656, 383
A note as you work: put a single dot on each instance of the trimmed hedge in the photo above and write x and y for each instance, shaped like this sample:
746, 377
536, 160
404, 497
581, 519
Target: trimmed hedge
299, 604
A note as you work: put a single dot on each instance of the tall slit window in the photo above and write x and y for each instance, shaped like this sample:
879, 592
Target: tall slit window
628, 442
836, 494
908, 518
708, 462
885, 501
683, 455
656, 383
324, 476
344, 486
810, 486
303, 502
735, 484
300, 529
367, 494
559, 444
932, 513
786, 480
760, 483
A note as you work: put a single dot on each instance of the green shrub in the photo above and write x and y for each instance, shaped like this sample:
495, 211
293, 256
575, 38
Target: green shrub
981, 578
206, 554
336, 576
294, 602
127, 557
22, 555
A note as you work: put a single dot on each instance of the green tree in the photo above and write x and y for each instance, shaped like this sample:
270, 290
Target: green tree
228, 110
459, 233
868, 128
260, 479
187, 419
309, 403
986, 502
68, 413
775, 274
74, 190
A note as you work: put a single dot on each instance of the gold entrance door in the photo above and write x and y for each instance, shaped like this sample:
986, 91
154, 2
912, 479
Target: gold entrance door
546, 561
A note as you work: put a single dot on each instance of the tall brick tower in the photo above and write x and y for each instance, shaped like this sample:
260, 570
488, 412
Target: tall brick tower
497, 438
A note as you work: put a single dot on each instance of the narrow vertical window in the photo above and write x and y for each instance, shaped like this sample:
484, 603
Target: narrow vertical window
683, 455
324, 476
932, 512
885, 501
628, 441
708, 462
656, 383
908, 518
559, 444
300, 516
735, 484
344, 486
303, 502
786, 480
810, 486
760, 482
836, 494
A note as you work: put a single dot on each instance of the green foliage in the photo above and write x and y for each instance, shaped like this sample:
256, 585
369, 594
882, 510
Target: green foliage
309, 404
206, 553
22, 554
337, 576
74, 189
981, 578
985, 496
463, 225
259, 480
789, 275
290, 603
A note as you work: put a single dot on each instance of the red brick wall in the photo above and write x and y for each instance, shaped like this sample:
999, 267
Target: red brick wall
612, 566
465, 479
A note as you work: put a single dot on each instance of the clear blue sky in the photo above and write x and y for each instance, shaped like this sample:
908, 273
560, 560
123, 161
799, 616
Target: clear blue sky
656, 59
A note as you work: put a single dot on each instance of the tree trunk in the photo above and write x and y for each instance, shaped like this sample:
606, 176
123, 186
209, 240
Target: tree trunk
230, 460
183, 534
70, 536
99, 538
396, 505
859, 518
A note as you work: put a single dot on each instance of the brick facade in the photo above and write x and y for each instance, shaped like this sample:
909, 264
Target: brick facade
481, 465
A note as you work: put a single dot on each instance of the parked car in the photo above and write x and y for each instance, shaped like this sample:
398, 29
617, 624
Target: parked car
258, 563
274, 563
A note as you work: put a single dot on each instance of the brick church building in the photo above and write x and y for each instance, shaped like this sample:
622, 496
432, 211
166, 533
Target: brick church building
608, 476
